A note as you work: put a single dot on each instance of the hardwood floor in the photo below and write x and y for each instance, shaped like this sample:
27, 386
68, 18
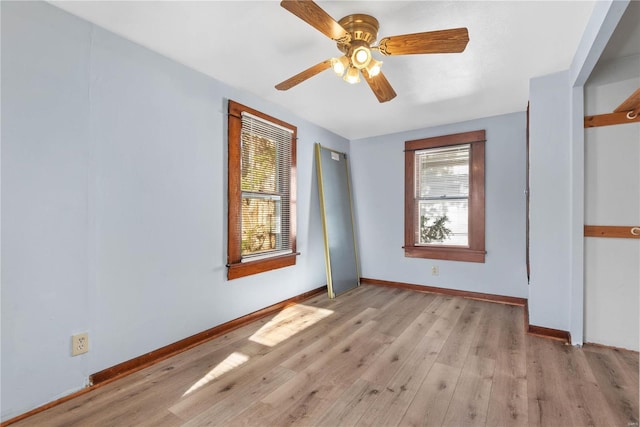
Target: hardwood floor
374, 356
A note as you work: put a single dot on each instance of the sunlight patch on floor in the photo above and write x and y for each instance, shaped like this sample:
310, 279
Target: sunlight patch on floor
232, 361
289, 322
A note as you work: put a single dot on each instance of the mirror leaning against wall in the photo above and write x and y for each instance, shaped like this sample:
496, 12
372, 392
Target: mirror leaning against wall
336, 211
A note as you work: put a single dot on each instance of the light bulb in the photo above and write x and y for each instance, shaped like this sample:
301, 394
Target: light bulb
352, 76
360, 57
374, 68
339, 65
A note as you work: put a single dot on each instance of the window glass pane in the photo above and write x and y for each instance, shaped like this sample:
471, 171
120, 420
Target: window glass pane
265, 180
261, 225
443, 222
442, 172
259, 166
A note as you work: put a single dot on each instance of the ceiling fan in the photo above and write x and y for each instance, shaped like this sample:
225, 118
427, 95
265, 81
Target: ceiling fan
355, 34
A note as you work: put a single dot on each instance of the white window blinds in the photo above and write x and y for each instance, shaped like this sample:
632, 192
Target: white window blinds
265, 185
442, 195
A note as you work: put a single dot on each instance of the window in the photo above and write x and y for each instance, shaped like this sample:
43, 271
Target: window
444, 197
261, 220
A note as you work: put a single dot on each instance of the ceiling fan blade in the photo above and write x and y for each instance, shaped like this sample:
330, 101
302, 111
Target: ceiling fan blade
380, 86
315, 16
444, 41
306, 74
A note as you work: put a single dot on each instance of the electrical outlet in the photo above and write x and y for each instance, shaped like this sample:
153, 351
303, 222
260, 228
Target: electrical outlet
79, 344
435, 270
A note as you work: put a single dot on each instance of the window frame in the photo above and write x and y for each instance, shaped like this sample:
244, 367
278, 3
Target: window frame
236, 266
475, 251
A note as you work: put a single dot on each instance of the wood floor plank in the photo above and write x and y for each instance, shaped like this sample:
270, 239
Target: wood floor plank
620, 391
288, 322
162, 418
448, 313
455, 350
390, 296
331, 362
308, 393
75, 411
228, 340
627, 362
511, 357
561, 386
485, 342
398, 316
133, 405
326, 339
175, 386
256, 415
588, 406
350, 405
326, 378
628, 358
219, 412
431, 402
594, 406
397, 394
189, 381
323, 333
545, 400
470, 401
508, 404
392, 359
188, 368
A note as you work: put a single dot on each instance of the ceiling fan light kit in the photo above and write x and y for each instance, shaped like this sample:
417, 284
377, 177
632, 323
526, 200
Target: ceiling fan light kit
352, 76
340, 65
360, 57
374, 67
354, 35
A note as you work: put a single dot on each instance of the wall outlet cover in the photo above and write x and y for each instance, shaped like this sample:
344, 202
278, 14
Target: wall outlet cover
79, 344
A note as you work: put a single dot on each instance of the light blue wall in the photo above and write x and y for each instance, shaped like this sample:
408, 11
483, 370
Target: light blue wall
45, 129
612, 271
602, 23
550, 178
556, 296
378, 181
114, 204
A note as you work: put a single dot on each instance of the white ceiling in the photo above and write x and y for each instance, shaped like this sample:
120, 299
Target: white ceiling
253, 45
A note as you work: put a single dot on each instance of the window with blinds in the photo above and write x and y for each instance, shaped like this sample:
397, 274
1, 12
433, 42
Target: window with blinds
442, 196
265, 169
444, 200
261, 192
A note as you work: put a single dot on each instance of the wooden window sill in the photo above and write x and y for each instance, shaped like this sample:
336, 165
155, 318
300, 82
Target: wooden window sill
445, 253
242, 269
